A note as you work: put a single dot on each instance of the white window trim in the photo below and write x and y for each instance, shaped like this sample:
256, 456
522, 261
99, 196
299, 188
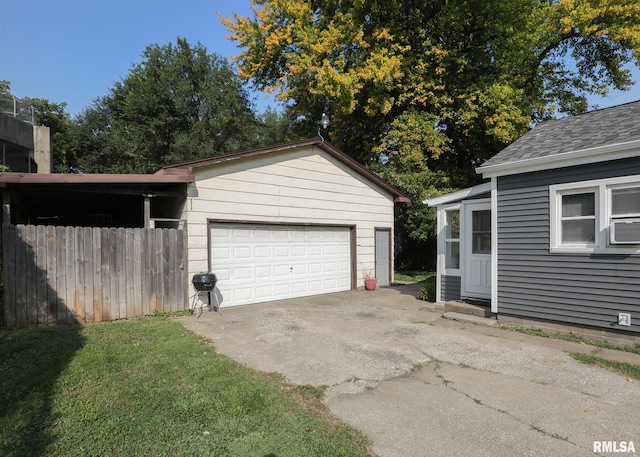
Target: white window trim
602, 189
556, 212
442, 226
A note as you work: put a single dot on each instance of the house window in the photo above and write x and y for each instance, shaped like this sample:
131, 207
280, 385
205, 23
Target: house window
601, 216
578, 218
452, 239
625, 202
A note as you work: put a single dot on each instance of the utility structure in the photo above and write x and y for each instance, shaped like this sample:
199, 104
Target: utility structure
24, 146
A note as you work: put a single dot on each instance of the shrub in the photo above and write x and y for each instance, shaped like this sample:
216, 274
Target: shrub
428, 293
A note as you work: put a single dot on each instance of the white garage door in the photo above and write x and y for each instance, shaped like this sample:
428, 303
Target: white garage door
259, 263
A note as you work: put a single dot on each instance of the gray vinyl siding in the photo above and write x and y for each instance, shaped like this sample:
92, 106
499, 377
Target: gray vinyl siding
570, 288
450, 287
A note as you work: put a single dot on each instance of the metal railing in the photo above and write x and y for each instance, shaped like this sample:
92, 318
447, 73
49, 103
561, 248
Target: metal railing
13, 106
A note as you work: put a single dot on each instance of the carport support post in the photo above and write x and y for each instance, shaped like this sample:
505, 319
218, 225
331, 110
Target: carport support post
6, 206
147, 210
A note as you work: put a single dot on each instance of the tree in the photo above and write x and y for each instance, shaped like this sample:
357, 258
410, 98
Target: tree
179, 103
472, 74
274, 127
423, 90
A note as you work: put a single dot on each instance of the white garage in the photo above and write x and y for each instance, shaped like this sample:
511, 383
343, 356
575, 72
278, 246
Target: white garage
259, 263
287, 221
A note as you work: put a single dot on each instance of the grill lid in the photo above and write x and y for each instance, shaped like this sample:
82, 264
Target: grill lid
204, 281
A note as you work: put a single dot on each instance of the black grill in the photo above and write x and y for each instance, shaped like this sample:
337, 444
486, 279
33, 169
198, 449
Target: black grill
204, 282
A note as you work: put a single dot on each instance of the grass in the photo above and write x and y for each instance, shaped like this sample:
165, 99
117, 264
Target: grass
635, 349
414, 276
428, 278
149, 387
626, 369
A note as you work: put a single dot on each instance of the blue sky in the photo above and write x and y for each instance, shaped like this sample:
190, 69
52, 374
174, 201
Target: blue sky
74, 50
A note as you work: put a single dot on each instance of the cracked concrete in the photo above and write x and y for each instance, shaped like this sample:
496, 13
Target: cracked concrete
420, 385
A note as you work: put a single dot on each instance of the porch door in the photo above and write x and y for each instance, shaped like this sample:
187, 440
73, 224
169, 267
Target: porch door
477, 251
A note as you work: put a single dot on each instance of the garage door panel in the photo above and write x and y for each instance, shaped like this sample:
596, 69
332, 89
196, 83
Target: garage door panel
298, 269
257, 263
330, 283
299, 287
263, 272
263, 292
282, 289
329, 267
221, 252
299, 251
240, 233
242, 273
262, 252
343, 250
260, 234
281, 271
316, 286
279, 233
281, 251
242, 252
242, 293
329, 250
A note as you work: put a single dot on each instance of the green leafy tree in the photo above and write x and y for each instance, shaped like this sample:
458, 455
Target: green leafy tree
421, 88
179, 103
274, 127
473, 73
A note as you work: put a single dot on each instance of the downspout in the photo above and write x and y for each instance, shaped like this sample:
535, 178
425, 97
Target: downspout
494, 245
439, 260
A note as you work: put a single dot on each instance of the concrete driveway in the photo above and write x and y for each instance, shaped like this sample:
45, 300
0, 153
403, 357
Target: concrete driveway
421, 385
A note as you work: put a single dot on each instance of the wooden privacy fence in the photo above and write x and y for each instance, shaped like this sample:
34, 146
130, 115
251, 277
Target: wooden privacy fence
55, 275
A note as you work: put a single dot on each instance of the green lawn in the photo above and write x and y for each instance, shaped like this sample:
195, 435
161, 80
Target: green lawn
414, 276
148, 387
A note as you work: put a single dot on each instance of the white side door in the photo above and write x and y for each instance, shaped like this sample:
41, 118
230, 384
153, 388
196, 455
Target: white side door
476, 249
383, 261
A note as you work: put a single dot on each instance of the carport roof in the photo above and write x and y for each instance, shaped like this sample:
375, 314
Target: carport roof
398, 196
160, 177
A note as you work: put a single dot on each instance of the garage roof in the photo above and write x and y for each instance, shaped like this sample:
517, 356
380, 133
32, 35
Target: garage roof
398, 196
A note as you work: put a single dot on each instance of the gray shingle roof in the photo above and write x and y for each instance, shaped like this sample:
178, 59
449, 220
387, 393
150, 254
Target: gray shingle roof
618, 124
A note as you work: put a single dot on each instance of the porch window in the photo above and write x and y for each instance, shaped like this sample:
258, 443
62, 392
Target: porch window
452, 239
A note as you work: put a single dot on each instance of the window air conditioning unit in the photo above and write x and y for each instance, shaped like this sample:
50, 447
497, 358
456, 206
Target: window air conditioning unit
625, 231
